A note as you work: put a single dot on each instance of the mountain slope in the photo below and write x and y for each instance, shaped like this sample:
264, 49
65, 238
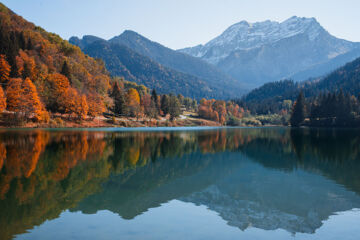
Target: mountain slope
173, 59
267, 51
39, 57
122, 61
270, 95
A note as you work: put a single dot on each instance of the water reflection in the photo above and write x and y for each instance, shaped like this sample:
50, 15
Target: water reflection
265, 178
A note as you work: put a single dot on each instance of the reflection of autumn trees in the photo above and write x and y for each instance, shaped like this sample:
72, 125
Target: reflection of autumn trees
20, 152
45, 172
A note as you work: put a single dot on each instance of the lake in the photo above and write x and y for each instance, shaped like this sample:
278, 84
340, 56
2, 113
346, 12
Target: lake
182, 183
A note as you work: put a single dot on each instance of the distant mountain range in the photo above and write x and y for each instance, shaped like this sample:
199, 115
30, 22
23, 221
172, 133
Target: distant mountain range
173, 59
243, 57
256, 53
138, 59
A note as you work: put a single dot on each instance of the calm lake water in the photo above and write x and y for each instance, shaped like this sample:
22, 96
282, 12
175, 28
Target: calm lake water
229, 183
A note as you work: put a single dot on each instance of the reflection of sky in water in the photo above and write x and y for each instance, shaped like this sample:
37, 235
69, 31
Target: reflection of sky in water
179, 220
231, 184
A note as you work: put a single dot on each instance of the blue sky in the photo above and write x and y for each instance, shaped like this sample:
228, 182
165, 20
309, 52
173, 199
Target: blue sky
180, 23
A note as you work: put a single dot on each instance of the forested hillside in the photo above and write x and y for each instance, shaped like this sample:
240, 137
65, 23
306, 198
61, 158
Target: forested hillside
179, 61
124, 62
41, 73
45, 79
271, 96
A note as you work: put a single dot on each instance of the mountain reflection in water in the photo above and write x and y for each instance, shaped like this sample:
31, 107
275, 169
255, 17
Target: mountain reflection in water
267, 178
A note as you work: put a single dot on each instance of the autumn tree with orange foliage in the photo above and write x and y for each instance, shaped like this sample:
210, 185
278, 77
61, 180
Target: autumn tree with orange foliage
31, 52
26, 65
81, 107
2, 100
218, 110
75, 104
133, 102
30, 102
219, 107
4, 69
234, 110
55, 92
95, 104
206, 110
13, 95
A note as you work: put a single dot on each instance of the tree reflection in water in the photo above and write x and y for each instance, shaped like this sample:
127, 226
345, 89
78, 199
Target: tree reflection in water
43, 173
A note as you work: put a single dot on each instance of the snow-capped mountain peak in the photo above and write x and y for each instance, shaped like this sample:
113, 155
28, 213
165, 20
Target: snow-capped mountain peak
245, 35
267, 51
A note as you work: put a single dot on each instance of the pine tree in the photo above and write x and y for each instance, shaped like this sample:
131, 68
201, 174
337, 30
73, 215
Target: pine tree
165, 104
22, 43
12, 52
174, 107
65, 70
29, 44
298, 113
343, 109
154, 98
26, 71
119, 99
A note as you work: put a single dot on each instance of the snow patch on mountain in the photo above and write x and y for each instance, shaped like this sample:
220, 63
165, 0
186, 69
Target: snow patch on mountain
245, 36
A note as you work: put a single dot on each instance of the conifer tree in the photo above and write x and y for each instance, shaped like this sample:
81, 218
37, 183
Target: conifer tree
65, 70
119, 99
174, 107
154, 98
26, 71
298, 113
165, 104
29, 44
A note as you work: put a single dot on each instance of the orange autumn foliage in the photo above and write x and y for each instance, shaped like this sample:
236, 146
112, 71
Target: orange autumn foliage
13, 94
31, 104
82, 107
40, 55
96, 104
2, 100
22, 158
133, 102
218, 110
4, 69
55, 92
133, 96
73, 103
26, 65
